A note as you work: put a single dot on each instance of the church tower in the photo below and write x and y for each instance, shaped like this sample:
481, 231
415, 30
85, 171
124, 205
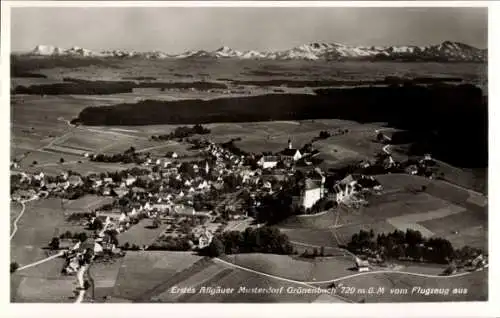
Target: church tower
289, 143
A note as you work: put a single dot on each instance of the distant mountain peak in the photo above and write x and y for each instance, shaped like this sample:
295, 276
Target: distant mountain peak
443, 52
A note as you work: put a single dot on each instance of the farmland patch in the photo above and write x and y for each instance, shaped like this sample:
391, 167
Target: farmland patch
411, 221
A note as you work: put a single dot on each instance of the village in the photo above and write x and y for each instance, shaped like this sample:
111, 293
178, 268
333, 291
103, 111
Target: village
197, 199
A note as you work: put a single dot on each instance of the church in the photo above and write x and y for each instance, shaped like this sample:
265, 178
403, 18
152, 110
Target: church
290, 153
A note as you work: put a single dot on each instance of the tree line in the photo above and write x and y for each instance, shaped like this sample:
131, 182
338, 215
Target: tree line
407, 245
427, 109
182, 132
261, 240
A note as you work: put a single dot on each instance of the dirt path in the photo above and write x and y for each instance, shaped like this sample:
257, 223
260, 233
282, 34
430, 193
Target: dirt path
14, 224
40, 261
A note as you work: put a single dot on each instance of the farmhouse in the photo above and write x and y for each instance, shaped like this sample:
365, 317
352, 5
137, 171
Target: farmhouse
205, 239
389, 162
362, 265
120, 192
344, 188
184, 210
113, 215
75, 181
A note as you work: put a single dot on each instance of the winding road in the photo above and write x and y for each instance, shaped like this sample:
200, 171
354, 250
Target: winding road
14, 224
347, 276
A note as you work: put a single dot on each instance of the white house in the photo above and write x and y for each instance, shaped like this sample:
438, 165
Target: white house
130, 180
362, 265
174, 155
267, 162
203, 185
39, 176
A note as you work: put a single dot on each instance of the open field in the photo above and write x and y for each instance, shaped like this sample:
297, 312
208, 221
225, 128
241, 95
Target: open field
87, 203
45, 157
475, 179
94, 141
195, 70
439, 211
210, 273
476, 284
320, 221
36, 228
410, 221
311, 236
474, 236
292, 267
142, 272
43, 290
84, 168
140, 234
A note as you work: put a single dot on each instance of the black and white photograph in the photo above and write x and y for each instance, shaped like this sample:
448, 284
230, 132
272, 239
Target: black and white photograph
225, 154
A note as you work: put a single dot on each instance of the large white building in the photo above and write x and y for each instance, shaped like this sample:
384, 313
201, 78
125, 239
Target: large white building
268, 162
314, 189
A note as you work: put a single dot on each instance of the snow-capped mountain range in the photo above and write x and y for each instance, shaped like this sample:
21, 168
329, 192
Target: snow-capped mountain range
446, 51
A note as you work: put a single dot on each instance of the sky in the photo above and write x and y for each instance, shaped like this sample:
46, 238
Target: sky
176, 30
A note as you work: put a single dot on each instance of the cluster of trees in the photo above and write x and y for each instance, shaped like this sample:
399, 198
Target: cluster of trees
96, 225
231, 147
81, 236
315, 252
321, 205
129, 156
88, 88
261, 240
75, 193
324, 134
29, 75
183, 132
13, 267
279, 206
76, 86
405, 245
171, 243
130, 247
